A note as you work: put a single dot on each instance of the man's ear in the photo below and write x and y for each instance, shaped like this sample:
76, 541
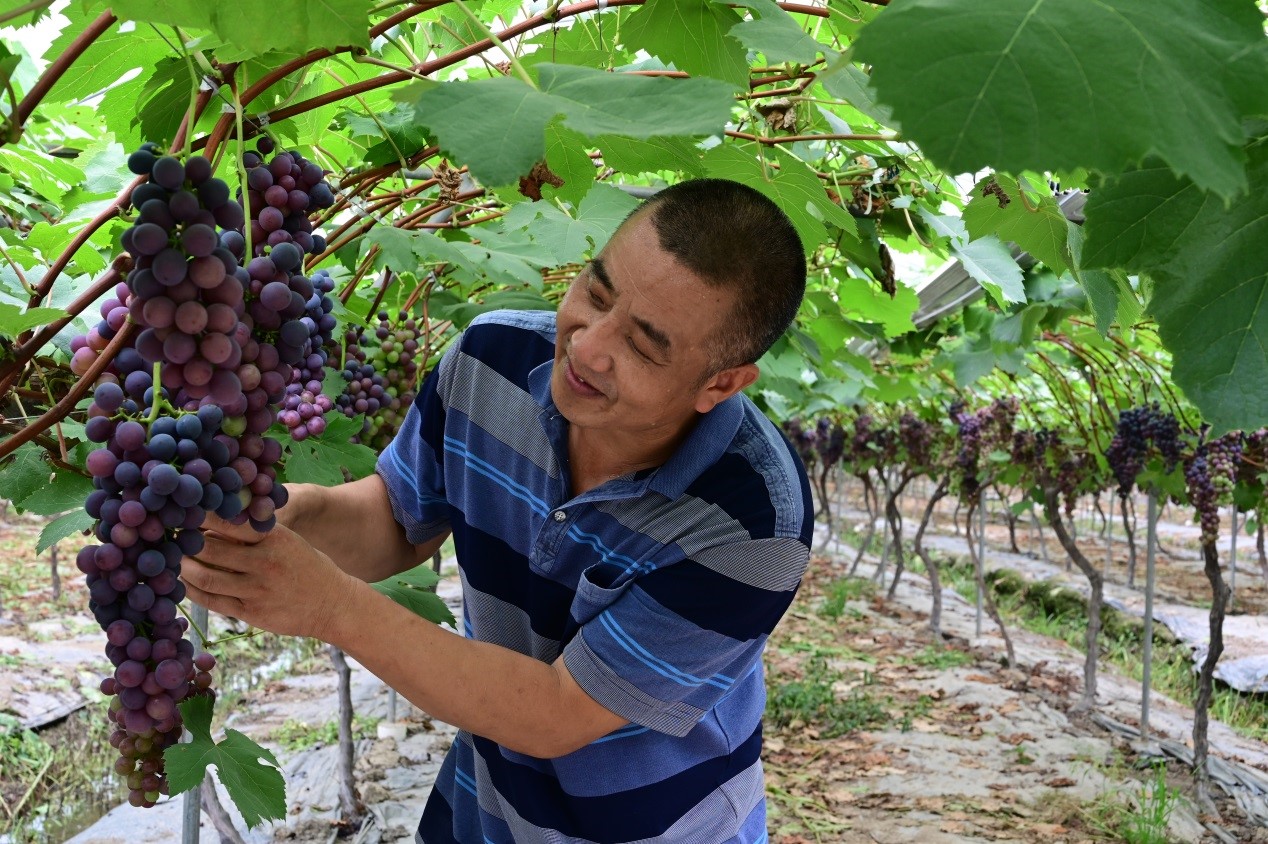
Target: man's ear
725, 384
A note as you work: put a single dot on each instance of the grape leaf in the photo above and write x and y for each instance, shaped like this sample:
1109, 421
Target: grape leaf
1034, 223
861, 300
121, 48
415, 590
165, 99
775, 34
794, 188
318, 460
567, 158
593, 103
24, 473
649, 155
1210, 268
985, 259
690, 34
14, 320
991, 263
843, 80
249, 772
62, 527
1057, 84
66, 491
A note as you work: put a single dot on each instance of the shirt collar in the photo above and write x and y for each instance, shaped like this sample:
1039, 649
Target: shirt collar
704, 446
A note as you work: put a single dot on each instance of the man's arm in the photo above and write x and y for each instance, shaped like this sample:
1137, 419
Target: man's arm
278, 581
353, 525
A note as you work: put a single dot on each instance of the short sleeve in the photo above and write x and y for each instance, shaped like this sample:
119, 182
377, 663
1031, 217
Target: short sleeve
412, 465
667, 646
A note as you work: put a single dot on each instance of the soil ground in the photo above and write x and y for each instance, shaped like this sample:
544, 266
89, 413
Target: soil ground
875, 732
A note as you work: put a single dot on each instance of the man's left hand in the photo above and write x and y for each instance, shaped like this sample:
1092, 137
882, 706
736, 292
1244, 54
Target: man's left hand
276, 580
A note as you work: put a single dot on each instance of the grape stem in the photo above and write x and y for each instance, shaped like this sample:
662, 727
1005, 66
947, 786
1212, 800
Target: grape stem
249, 252
157, 387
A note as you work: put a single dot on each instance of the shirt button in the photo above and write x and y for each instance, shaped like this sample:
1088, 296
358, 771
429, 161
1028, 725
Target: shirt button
560, 515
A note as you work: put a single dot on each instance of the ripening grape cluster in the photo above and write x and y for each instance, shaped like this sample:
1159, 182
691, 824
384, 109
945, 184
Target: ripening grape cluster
917, 438
982, 431
1140, 433
829, 441
381, 374
1210, 474
180, 415
803, 440
292, 311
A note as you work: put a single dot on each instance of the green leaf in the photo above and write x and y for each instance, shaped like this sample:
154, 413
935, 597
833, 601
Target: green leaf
14, 320
650, 155
860, 299
249, 772
1045, 85
165, 99
593, 103
794, 188
1034, 222
73, 522
309, 24
396, 247
318, 460
24, 473
993, 266
845, 81
776, 34
66, 491
567, 158
122, 48
401, 135
415, 590
690, 34
1210, 268
50, 177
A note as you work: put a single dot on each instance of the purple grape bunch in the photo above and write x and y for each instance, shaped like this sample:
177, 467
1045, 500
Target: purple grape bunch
1140, 433
1210, 474
382, 375
291, 310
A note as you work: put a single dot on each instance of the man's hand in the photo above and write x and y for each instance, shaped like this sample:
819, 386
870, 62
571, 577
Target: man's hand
276, 580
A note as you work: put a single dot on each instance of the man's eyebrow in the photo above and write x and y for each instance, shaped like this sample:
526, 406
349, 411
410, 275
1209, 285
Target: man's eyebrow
660, 338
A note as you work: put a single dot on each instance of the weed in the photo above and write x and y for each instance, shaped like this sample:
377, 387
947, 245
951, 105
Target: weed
298, 735
842, 590
935, 657
814, 700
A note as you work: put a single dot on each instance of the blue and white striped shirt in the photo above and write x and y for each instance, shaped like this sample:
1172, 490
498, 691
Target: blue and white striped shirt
658, 588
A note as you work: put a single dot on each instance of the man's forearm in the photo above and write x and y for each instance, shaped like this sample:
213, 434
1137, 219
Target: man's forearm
353, 525
491, 691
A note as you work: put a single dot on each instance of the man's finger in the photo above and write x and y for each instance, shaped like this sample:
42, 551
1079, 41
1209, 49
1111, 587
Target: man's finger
207, 576
243, 534
223, 604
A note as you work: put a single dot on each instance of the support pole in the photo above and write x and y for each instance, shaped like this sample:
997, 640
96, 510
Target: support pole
1232, 562
1151, 547
981, 551
191, 811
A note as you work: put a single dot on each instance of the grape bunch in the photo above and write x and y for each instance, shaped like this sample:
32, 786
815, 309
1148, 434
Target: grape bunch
381, 375
290, 310
802, 439
1210, 474
829, 441
981, 432
304, 408
917, 438
1141, 432
214, 339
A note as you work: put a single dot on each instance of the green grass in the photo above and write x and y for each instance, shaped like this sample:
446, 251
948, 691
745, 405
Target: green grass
298, 735
843, 590
813, 700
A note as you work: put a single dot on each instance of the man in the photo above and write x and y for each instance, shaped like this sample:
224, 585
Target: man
629, 529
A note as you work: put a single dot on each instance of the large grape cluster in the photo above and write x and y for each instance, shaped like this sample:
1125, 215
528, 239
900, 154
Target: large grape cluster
1210, 474
981, 432
381, 375
917, 439
1140, 433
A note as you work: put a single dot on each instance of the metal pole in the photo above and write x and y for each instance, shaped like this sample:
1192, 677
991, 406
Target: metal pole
1151, 545
1232, 562
1109, 538
981, 551
192, 808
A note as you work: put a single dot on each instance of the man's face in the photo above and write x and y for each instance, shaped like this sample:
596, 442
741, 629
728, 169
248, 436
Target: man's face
631, 349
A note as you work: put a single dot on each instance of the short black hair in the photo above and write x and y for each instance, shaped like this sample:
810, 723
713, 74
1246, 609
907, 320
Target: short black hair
734, 237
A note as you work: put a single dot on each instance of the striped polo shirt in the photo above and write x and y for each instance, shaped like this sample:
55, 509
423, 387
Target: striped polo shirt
657, 588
